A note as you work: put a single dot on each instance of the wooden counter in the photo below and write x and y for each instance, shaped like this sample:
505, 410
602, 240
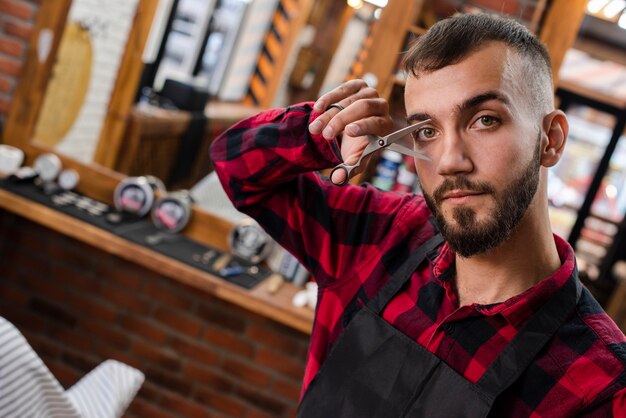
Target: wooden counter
277, 307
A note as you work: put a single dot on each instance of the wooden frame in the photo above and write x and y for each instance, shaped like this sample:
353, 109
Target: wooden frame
97, 180
560, 28
31, 89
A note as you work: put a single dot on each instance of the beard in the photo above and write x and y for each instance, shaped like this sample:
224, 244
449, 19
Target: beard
471, 237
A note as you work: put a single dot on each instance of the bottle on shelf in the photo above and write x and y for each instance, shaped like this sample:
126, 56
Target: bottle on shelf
406, 180
387, 170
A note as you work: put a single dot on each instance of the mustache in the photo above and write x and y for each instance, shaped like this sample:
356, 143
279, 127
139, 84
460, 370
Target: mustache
461, 183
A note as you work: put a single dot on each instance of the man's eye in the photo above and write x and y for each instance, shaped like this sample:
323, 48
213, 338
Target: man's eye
488, 121
424, 134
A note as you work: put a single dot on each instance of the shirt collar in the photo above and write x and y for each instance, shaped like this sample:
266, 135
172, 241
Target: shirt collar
518, 308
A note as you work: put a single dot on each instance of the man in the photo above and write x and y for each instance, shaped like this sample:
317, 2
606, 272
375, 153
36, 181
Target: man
494, 320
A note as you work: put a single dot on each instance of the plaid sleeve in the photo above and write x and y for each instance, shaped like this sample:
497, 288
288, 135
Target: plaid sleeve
267, 165
614, 406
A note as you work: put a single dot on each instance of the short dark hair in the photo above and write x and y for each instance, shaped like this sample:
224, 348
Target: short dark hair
452, 39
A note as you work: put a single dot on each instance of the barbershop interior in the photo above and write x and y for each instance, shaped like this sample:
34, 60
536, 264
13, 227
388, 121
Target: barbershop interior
129, 283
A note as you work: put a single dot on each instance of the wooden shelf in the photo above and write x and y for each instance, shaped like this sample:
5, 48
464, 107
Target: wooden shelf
277, 307
602, 97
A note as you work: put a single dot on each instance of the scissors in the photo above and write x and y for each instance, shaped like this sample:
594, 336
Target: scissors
377, 143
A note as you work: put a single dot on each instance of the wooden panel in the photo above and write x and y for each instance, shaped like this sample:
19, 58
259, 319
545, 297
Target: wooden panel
593, 94
151, 141
31, 89
281, 24
265, 67
324, 62
537, 15
298, 12
125, 90
560, 29
388, 37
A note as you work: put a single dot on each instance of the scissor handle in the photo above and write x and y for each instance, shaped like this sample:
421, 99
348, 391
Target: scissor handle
347, 169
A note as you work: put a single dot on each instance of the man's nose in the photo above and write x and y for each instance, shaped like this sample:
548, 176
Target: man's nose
455, 156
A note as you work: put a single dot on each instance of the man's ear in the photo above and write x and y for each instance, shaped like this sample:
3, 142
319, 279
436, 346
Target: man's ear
553, 137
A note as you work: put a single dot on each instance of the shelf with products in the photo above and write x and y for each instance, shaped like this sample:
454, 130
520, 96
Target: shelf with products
569, 184
592, 92
595, 240
593, 247
570, 179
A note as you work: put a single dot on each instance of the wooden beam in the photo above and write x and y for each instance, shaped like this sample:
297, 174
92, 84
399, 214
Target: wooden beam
298, 12
35, 74
389, 35
329, 51
126, 84
560, 29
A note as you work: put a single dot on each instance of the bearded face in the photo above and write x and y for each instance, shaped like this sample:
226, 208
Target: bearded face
467, 235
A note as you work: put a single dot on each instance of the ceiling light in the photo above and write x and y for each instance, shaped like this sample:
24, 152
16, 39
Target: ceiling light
614, 8
355, 4
611, 191
622, 21
594, 6
378, 3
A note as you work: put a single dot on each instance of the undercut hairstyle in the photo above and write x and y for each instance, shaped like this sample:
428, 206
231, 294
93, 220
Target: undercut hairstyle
450, 40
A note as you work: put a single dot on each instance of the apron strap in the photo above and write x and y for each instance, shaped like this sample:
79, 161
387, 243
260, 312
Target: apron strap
530, 340
402, 275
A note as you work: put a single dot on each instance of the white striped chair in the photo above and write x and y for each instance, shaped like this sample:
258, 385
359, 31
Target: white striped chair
28, 388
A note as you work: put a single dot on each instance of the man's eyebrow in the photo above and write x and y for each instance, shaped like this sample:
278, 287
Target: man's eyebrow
482, 98
470, 103
417, 117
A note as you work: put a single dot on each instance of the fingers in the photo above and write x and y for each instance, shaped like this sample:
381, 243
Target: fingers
338, 177
347, 95
367, 116
380, 124
336, 95
363, 115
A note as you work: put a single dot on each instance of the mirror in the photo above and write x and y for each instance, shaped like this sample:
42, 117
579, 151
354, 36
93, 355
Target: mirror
30, 118
77, 94
80, 76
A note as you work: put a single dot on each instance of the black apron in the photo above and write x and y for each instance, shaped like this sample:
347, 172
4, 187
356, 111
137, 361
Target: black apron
374, 370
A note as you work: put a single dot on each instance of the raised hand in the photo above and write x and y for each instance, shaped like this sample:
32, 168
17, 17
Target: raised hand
362, 111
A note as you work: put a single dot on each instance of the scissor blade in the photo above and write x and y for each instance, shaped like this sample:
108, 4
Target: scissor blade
372, 147
406, 151
393, 137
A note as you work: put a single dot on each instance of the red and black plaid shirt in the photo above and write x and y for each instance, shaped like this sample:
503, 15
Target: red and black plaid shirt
351, 237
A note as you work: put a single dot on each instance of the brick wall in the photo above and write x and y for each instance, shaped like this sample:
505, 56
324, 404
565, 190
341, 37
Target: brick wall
78, 306
17, 19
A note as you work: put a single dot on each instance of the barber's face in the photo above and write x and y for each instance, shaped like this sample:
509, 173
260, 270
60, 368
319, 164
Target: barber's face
484, 145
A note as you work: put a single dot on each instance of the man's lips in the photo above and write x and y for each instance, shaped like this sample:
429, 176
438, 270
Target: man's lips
460, 196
